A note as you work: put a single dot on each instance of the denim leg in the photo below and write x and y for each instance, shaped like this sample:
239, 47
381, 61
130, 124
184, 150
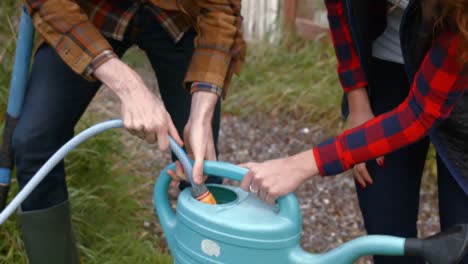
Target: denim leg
170, 62
453, 202
55, 99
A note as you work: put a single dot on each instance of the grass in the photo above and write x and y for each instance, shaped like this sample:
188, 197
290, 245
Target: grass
108, 218
7, 38
295, 77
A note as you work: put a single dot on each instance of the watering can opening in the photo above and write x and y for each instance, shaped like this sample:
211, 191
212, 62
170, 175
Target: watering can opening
222, 195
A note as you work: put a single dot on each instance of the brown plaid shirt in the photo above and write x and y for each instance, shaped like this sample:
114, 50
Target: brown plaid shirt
76, 29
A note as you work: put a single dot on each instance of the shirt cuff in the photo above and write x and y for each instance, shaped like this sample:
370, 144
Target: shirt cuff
98, 61
205, 87
328, 157
352, 79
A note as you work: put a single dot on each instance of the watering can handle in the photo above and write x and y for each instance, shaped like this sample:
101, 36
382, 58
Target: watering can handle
288, 205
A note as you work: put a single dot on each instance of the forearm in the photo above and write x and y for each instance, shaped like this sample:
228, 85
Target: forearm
304, 164
358, 101
431, 99
203, 106
123, 83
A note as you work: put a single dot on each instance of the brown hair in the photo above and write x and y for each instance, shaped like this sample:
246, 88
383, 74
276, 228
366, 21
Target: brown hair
451, 13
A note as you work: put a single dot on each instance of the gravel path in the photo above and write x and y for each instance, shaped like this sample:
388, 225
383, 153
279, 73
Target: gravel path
329, 205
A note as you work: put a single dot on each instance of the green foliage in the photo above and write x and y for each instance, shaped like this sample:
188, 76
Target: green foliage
8, 11
296, 77
108, 218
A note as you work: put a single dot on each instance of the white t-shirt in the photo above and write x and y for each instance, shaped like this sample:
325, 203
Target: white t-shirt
387, 46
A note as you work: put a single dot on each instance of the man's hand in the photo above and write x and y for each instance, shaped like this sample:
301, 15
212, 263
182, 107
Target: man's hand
143, 113
360, 112
198, 133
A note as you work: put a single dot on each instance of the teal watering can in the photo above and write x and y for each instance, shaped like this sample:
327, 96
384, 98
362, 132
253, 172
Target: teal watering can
243, 229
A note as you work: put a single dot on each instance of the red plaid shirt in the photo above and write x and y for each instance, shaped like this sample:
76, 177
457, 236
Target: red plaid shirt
437, 85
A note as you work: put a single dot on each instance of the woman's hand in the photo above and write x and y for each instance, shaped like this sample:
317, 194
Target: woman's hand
360, 112
143, 113
275, 178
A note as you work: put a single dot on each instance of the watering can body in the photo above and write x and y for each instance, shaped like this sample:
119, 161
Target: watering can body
239, 229
242, 229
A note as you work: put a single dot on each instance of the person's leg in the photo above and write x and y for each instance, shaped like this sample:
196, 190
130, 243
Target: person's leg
453, 201
170, 62
55, 99
390, 205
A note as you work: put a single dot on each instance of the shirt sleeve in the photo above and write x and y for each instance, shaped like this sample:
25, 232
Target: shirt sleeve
350, 72
66, 28
440, 81
219, 45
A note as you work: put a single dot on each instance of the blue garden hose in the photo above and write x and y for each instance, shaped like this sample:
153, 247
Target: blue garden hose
69, 146
50, 164
19, 78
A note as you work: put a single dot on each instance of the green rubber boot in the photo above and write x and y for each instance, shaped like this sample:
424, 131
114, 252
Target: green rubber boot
48, 235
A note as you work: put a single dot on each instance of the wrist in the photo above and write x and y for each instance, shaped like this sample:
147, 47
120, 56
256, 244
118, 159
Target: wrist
120, 78
304, 164
358, 101
203, 106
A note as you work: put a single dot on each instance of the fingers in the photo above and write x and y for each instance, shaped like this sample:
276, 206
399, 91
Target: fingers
210, 151
381, 161
163, 138
257, 185
362, 176
247, 165
175, 181
177, 175
180, 173
197, 172
246, 181
149, 135
270, 199
358, 177
365, 174
173, 131
262, 194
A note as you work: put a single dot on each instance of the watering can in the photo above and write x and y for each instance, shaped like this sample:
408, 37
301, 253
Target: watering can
243, 229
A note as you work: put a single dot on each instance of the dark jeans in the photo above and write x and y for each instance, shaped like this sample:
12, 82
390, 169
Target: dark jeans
56, 98
390, 205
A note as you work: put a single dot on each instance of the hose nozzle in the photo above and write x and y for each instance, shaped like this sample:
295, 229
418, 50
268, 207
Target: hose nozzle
199, 191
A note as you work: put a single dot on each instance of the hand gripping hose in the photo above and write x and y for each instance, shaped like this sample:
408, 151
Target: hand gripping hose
199, 190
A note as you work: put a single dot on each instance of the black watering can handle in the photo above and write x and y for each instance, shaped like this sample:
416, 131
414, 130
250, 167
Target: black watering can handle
447, 247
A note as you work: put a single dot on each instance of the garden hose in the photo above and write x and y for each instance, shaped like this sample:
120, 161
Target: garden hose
200, 192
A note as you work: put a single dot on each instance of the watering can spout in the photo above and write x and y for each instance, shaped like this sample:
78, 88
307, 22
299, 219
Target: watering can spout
164, 211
